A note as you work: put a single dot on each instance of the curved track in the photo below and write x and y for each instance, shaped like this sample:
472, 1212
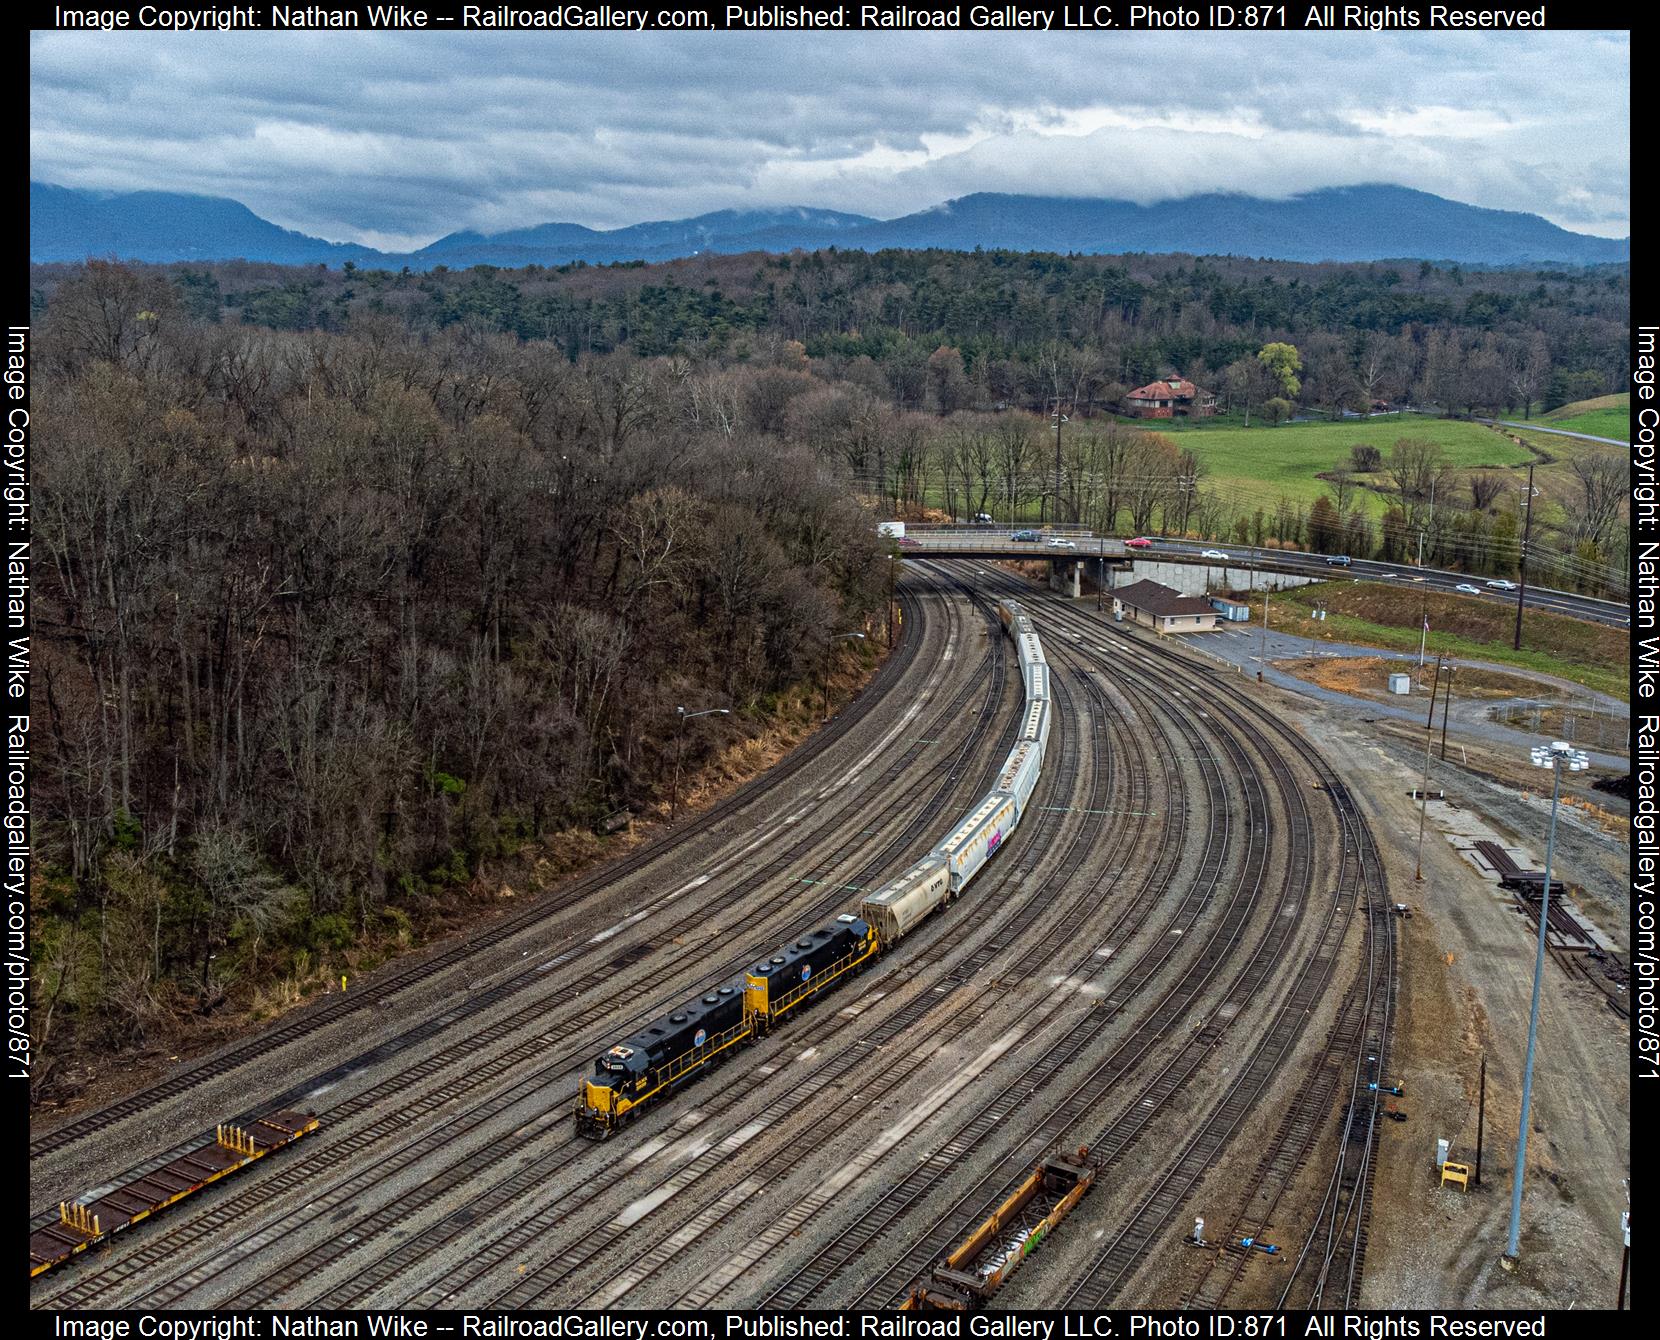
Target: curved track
1179, 896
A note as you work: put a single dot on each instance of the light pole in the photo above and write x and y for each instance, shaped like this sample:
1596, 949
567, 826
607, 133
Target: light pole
1059, 419
1556, 756
680, 744
1423, 793
1527, 530
839, 637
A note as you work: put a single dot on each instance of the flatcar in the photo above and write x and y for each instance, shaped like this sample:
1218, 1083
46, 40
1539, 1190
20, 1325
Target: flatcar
82, 1223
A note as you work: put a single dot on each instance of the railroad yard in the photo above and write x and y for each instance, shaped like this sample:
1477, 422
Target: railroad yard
1186, 959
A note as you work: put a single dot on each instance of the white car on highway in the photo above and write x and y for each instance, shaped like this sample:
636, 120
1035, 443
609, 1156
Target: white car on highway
1468, 589
1213, 553
1060, 542
1499, 584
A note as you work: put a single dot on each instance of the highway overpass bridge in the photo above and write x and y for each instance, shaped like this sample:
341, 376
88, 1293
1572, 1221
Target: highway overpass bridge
1072, 550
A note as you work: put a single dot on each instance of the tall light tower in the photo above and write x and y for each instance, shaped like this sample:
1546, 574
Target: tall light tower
1555, 756
1059, 419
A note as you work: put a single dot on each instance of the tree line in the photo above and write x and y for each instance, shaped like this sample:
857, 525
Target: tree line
326, 620
330, 616
1027, 329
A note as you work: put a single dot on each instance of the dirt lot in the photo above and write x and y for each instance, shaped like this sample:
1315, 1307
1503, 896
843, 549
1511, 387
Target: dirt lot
1466, 964
1365, 677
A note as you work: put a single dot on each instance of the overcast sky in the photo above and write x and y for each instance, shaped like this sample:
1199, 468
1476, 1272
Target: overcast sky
395, 139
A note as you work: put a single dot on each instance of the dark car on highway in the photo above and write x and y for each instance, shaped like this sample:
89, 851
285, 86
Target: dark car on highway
1031, 536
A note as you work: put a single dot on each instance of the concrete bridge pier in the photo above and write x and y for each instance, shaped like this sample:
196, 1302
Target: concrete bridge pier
1063, 576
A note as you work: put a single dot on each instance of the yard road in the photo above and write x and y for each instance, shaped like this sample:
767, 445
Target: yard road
1559, 432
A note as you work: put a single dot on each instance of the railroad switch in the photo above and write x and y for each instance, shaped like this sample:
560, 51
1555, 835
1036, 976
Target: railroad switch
1395, 1089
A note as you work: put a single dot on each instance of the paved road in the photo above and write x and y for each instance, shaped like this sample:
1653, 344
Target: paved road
1241, 647
1559, 432
997, 542
1437, 579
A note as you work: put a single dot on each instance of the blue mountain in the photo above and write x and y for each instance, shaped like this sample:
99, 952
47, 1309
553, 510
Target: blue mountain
1350, 223
71, 225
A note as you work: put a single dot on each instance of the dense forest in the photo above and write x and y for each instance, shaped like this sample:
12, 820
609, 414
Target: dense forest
1029, 329
350, 583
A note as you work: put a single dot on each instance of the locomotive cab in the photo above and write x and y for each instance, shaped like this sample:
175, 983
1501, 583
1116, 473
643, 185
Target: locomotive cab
607, 1096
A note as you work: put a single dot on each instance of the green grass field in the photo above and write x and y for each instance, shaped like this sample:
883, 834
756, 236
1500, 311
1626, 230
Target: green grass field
1606, 416
1479, 628
1264, 463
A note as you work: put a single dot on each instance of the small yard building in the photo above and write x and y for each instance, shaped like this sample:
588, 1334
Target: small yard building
1233, 611
1163, 610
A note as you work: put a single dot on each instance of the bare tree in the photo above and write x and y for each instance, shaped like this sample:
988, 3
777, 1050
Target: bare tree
1603, 481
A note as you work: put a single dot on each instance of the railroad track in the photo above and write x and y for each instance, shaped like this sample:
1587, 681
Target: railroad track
378, 992
1109, 1146
533, 1048
812, 1281
767, 1100
1334, 1269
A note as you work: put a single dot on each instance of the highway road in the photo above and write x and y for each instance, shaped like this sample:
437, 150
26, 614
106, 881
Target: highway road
997, 542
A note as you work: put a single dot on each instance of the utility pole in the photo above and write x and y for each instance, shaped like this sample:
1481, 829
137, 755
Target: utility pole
1423, 791
1446, 709
829, 645
1527, 530
1432, 484
1262, 650
679, 746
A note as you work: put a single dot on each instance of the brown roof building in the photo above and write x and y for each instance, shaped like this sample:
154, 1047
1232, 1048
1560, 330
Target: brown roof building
1167, 398
1163, 610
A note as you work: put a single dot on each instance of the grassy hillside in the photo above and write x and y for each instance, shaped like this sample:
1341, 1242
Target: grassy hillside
1606, 416
1267, 462
1467, 627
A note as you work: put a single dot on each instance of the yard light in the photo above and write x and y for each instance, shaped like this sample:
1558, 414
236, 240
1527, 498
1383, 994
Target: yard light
679, 744
1555, 756
839, 637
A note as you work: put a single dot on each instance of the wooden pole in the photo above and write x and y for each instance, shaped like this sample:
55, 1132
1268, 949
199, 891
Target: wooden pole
1481, 1115
1527, 529
1423, 793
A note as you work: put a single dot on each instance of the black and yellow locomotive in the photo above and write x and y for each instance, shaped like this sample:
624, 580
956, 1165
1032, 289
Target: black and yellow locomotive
638, 1071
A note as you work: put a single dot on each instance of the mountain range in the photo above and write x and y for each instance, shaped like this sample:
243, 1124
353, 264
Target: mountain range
1348, 223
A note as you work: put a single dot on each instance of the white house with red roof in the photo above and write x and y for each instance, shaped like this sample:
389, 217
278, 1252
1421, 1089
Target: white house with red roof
1167, 398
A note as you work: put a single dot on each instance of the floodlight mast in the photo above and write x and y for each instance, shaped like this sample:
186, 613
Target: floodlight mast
1556, 756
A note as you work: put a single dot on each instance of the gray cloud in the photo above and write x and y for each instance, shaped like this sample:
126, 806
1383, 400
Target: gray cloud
393, 139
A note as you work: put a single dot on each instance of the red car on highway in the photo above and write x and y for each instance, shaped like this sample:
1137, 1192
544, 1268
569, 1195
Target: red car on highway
1140, 542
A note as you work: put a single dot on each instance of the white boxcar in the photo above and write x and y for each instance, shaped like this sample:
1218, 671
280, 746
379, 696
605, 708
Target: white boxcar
1035, 730
977, 837
1020, 774
1037, 681
898, 906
